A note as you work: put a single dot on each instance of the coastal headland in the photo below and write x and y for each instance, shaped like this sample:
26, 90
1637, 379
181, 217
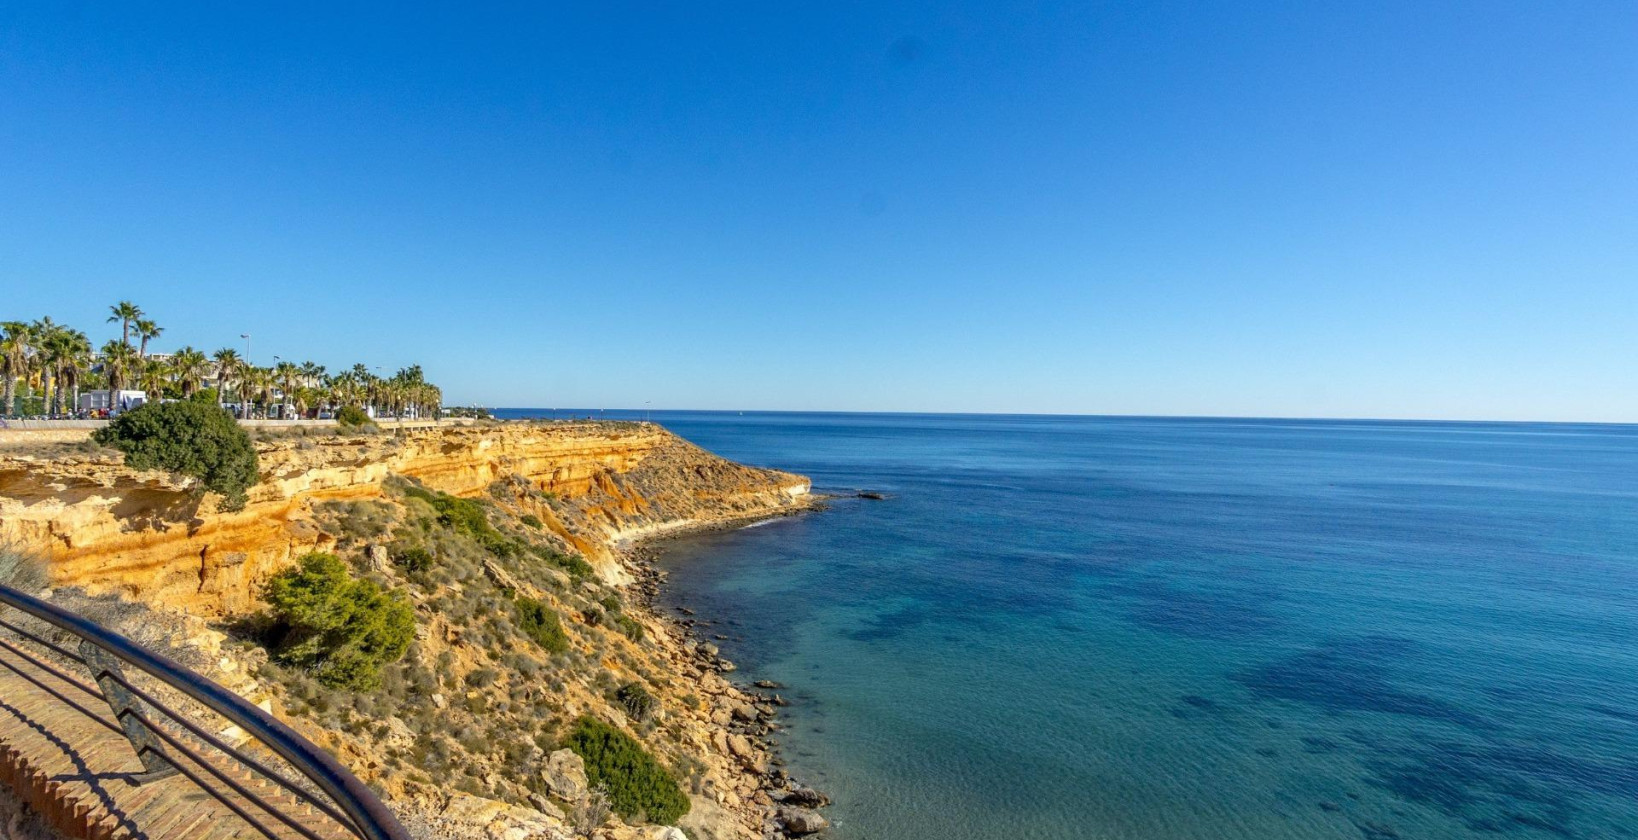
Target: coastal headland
465, 735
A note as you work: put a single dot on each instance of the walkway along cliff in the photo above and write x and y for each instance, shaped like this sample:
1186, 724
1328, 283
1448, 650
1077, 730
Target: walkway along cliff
465, 734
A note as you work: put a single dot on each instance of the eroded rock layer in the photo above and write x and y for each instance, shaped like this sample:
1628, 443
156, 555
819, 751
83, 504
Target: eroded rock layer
155, 538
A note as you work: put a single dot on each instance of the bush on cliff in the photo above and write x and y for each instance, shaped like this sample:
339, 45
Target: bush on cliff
574, 565
639, 788
191, 438
351, 416
538, 622
471, 518
625, 623
636, 700
414, 560
341, 628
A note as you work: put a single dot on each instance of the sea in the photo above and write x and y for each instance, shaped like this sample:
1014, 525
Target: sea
1070, 628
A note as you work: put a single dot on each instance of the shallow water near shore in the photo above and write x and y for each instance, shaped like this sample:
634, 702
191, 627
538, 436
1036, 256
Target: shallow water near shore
1159, 628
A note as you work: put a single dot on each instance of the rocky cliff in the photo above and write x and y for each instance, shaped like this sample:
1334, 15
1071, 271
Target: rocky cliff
465, 736
155, 538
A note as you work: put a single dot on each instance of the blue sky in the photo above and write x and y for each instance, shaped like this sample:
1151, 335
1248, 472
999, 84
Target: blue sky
1305, 209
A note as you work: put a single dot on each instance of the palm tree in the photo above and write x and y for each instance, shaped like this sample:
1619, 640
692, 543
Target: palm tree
228, 367
311, 374
146, 330
16, 346
305, 398
347, 388
65, 353
261, 382
288, 376
126, 313
119, 363
74, 362
189, 366
412, 390
429, 399
45, 367
152, 377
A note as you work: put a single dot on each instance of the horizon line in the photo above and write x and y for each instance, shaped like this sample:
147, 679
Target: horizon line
1111, 416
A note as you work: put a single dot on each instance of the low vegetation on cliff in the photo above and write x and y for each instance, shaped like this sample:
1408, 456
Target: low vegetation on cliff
461, 646
468, 518
538, 622
513, 636
341, 628
190, 438
638, 787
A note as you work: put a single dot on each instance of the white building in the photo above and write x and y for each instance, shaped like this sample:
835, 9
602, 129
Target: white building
119, 401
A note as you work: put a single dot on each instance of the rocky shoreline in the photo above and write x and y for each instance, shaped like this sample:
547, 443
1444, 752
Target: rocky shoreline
463, 738
745, 716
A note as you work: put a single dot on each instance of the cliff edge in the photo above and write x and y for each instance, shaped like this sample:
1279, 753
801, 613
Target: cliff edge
154, 537
465, 735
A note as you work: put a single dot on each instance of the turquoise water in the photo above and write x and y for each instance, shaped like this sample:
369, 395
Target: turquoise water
1157, 628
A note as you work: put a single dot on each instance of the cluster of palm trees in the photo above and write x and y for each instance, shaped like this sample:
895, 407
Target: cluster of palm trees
54, 363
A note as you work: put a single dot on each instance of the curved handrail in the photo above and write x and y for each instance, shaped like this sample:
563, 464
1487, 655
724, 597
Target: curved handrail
371, 818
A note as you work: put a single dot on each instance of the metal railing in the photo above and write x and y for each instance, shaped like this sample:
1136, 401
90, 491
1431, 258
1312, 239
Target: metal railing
138, 714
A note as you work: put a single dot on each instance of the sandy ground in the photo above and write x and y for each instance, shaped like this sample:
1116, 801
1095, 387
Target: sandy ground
17, 822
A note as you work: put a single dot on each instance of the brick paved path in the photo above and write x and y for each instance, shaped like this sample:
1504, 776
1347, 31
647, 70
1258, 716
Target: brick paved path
76, 773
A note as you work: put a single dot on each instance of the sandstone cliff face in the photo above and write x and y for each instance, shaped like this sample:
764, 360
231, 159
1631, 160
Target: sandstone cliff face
153, 537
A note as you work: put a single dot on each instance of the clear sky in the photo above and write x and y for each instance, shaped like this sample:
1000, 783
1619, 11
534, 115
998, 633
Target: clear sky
1420, 209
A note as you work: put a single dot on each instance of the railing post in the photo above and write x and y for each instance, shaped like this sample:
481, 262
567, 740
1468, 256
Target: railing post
105, 669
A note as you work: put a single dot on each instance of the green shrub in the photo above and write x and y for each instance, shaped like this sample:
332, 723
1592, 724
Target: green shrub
353, 416
532, 521
628, 626
538, 622
464, 516
360, 521
639, 789
636, 700
624, 623
574, 565
343, 629
471, 518
191, 438
414, 560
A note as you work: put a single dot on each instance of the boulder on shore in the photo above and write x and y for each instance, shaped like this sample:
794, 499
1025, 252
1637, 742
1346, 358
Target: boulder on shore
803, 797
800, 821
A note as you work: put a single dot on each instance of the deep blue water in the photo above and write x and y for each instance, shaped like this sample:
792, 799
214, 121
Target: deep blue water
1065, 627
